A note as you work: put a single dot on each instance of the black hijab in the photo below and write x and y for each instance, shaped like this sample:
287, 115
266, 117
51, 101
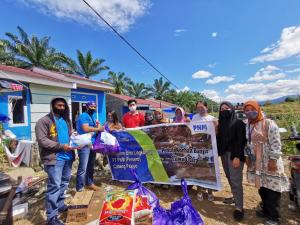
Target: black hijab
226, 133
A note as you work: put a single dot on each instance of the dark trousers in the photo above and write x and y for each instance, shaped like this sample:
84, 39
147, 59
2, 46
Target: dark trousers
271, 202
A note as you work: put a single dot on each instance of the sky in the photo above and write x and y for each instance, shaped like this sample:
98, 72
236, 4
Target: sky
229, 50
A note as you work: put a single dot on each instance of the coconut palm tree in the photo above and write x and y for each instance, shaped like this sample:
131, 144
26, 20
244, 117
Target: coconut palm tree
138, 90
34, 51
160, 88
87, 66
6, 58
119, 81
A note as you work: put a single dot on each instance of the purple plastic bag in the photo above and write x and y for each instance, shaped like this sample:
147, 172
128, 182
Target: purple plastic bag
181, 212
100, 147
142, 190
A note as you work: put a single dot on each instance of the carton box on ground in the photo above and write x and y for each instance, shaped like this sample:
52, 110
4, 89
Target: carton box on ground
78, 208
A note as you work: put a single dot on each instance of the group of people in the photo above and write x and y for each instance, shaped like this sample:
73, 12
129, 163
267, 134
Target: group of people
255, 142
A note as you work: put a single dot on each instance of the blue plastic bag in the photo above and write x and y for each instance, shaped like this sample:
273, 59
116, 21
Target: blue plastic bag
181, 213
142, 190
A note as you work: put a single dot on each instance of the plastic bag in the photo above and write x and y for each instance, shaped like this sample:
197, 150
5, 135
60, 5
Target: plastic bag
81, 140
106, 143
181, 212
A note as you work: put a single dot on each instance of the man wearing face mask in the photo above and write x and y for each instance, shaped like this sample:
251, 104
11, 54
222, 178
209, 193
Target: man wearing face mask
87, 123
53, 135
133, 118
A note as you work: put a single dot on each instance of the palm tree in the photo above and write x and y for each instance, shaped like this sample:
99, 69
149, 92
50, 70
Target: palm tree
87, 66
160, 89
32, 51
119, 81
138, 90
6, 58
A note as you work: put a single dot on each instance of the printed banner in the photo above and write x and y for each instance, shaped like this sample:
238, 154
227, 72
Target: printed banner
166, 153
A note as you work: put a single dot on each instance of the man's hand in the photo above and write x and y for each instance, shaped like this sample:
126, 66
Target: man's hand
67, 147
236, 162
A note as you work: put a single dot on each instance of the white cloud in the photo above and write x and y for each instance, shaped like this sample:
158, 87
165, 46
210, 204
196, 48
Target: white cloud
296, 70
201, 74
268, 73
120, 14
186, 88
211, 94
212, 65
287, 46
179, 32
214, 34
263, 91
219, 79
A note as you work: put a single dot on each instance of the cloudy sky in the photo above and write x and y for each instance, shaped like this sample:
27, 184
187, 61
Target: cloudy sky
230, 50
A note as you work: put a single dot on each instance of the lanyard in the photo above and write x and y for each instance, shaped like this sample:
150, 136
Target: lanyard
250, 133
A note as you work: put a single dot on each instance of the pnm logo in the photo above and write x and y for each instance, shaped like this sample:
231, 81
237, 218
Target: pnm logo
200, 127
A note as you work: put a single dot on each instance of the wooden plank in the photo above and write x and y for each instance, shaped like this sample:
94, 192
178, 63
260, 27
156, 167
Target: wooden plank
43, 89
82, 198
38, 108
46, 99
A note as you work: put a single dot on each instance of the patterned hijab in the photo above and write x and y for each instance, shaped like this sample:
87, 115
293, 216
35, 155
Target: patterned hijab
256, 106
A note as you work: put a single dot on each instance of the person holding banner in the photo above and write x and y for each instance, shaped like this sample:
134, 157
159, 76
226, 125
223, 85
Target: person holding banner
149, 118
87, 123
159, 117
133, 118
263, 158
112, 122
179, 115
231, 141
203, 116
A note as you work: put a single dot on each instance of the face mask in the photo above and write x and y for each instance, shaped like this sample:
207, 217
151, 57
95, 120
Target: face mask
59, 111
149, 118
225, 113
91, 111
201, 111
252, 115
132, 108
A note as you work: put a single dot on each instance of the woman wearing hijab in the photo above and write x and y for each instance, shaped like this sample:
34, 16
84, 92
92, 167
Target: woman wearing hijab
159, 117
231, 141
263, 158
179, 115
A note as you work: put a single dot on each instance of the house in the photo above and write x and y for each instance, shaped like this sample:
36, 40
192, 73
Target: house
118, 103
26, 107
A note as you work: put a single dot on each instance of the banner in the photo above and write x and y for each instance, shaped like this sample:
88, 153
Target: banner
166, 153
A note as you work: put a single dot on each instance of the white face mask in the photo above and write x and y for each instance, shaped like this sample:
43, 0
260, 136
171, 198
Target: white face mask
132, 108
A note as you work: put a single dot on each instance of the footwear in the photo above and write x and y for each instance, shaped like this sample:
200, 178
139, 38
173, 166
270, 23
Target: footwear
228, 201
210, 197
200, 197
238, 215
271, 222
63, 209
260, 214
92, 187
55, 221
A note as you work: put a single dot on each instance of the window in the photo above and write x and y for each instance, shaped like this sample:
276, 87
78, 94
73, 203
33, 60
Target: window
17, 111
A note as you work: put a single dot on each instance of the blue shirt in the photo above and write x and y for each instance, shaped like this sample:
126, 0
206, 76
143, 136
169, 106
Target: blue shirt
63, 138
86, 118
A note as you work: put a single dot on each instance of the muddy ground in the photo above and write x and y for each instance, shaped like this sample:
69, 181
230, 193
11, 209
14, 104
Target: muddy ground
213, 213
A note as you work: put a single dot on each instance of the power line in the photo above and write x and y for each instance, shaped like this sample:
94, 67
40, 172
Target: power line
127, 42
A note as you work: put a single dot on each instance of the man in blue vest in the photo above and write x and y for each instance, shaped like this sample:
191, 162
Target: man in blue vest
87, 123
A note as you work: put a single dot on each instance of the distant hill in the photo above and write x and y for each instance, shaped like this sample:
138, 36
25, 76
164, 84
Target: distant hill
278, 100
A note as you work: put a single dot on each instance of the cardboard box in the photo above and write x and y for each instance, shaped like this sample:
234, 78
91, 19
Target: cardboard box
78, 208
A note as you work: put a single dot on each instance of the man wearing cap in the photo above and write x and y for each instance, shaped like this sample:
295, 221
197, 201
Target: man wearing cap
53, 135
133, 118
87, 123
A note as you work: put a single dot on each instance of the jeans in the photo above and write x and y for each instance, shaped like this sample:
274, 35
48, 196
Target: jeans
235, 179
58, 181
85, 172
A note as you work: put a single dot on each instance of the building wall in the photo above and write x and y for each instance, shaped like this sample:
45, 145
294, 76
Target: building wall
85, 95
21, 131
115, 104
41, 98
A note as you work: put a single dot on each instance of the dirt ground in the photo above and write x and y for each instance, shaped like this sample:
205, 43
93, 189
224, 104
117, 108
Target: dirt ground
213, 213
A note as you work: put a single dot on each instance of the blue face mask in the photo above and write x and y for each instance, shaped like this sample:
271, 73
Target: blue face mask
252, 115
